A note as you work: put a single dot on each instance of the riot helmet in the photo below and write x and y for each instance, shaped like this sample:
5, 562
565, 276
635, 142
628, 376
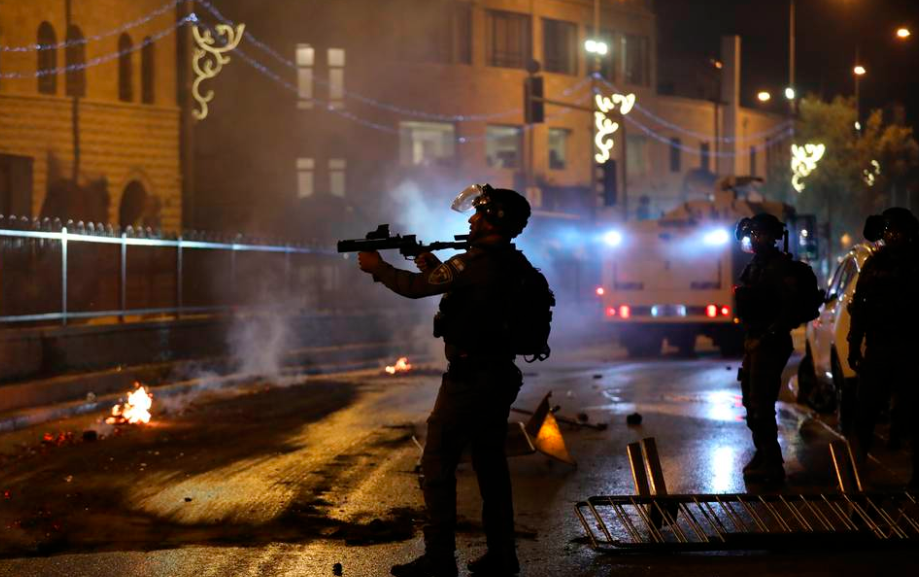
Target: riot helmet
896, 226
505, 209
760, 232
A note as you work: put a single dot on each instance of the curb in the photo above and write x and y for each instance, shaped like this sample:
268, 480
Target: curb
37, 416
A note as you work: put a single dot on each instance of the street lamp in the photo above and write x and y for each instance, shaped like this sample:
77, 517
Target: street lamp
903, 33
790, 93
597, 47
859, 71
764, 96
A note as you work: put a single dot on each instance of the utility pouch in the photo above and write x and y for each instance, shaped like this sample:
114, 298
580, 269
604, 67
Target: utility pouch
740, 374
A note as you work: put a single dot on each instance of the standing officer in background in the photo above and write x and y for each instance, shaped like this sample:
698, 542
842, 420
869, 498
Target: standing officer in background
765, 305
885, 315
481, 381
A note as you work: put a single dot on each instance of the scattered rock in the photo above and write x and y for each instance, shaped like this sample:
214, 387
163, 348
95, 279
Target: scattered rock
90, 397
728, 367
598, 376
633, 419
582, 417
188, 499
90, 435
68, 478
336, 569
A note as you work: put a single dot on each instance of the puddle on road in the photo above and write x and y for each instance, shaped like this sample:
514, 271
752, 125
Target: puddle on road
715, 405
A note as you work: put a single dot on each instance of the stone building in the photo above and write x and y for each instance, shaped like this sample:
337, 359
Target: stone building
89, 119
337, 112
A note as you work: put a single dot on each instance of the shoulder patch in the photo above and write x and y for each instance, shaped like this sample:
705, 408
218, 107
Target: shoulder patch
441, 275
457, 263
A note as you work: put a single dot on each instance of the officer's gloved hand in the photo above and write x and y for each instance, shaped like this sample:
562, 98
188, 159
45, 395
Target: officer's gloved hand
855, 357
370, 262
426, 262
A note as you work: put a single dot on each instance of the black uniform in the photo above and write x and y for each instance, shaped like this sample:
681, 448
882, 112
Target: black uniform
765, 301
477, 390
885, 312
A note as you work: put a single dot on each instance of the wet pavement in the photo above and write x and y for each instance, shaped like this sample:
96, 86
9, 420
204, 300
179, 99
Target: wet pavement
291, 480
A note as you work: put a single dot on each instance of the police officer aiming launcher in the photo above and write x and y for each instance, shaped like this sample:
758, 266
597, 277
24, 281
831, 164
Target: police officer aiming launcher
775, 295
495, 305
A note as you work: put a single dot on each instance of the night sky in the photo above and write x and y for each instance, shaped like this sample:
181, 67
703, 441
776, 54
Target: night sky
827, 34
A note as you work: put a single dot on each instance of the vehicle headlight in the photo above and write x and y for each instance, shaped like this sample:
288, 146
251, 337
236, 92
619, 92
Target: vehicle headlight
717, 237
613, 238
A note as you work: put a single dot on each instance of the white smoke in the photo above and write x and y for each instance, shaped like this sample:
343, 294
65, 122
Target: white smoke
258, 342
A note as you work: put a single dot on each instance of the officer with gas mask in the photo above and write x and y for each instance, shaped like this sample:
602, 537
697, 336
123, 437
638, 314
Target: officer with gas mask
765, 306
481, 381
885, 317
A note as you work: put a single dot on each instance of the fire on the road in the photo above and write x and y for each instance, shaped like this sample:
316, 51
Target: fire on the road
136, 410
401, 366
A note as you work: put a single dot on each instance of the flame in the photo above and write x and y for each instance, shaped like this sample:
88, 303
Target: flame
136, 410
401, 366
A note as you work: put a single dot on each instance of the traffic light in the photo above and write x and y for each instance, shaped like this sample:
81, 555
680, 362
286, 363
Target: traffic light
607, 183
534, 110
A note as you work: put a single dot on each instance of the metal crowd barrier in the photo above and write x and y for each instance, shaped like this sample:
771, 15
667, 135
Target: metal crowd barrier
63, 240
654, 520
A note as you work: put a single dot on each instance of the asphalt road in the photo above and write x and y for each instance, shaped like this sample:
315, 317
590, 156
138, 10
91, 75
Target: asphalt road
292, 479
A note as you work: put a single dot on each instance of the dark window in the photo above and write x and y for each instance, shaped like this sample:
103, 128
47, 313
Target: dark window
560, 46
438, 32
509, 42
636, 60
148, 72
752, 161
125, 70
676, 151
47, 59
75, 76
705, 150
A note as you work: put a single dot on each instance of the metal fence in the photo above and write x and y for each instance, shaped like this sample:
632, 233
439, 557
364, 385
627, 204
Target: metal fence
54, 273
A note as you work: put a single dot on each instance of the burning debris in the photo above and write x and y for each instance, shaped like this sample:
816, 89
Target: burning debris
136, 410
401, 366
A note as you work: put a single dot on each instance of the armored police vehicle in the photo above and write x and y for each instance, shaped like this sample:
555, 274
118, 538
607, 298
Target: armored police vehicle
673, 278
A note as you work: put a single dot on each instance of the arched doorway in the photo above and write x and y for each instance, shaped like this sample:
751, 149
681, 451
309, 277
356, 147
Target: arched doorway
133, 205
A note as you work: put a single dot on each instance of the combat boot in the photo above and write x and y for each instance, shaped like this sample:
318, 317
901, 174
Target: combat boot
494, 564
427, 566
765, 471
754, 462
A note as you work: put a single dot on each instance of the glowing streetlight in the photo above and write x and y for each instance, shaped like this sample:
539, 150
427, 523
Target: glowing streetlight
790, 93
903, 33
596, 47
859, 70
764, 96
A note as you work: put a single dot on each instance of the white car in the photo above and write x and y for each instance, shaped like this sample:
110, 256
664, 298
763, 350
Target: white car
825, 379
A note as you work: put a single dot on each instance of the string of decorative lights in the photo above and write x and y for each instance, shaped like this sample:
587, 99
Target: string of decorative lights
377, 103
774, 139
785, 125
153, 38
87, 39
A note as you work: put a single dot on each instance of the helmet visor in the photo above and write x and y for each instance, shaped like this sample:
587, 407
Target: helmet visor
465, 200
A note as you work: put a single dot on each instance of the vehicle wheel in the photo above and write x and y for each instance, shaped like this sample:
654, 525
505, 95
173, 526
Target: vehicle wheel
846, 397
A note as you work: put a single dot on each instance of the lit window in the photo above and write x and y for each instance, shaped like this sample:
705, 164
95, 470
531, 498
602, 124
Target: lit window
305, 59
305, 177
637, 155
426, 143
336, 58
337, 176
558, 148
503, 145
